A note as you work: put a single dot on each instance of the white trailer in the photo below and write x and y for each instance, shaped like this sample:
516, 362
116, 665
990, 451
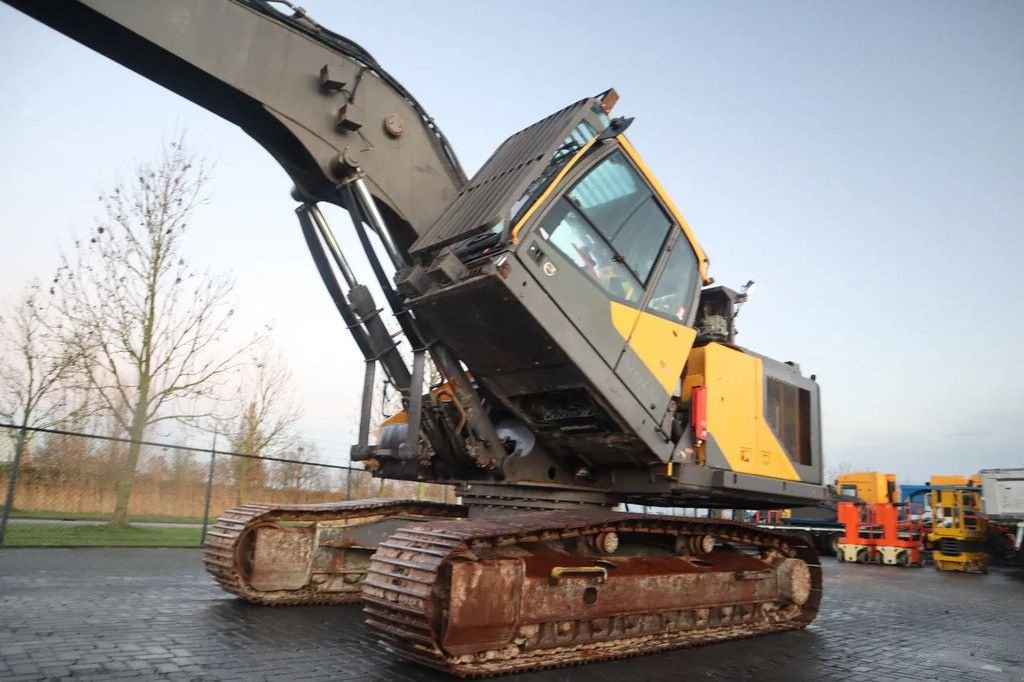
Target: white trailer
1002, 493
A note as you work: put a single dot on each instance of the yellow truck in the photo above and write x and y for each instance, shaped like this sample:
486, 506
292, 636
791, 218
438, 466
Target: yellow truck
870, 487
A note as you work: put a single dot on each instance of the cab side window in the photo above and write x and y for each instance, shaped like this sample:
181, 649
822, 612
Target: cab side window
675, 294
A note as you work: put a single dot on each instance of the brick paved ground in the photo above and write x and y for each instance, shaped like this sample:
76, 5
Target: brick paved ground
122, 613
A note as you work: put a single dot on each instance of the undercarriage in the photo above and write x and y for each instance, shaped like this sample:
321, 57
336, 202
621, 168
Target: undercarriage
306, 553
503, 592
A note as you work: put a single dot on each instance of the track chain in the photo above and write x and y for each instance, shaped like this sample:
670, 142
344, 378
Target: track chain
401, 600
222, 556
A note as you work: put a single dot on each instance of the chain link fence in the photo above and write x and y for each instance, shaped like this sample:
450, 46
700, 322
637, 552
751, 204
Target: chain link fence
65, 488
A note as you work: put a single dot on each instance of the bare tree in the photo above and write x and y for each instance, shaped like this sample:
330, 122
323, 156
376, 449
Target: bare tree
149, 329
267, 415
33, 369
302, 474
34, 366
833, 472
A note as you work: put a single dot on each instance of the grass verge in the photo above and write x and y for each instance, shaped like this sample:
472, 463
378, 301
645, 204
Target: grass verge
101, 516
57, 534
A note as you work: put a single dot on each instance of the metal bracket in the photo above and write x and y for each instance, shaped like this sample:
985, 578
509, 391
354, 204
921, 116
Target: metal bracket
410, 448
599, 572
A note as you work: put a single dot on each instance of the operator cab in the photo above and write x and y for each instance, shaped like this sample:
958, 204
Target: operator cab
608, 250
565, 219
570, 286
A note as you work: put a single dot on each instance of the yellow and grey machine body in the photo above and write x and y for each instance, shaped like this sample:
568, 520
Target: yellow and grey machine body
763, 418
558, 291
585, 326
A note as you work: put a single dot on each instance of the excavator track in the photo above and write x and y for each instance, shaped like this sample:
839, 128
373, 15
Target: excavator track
501, 594
306, 553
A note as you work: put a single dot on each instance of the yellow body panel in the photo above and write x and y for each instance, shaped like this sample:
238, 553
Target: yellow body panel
937, 499
873, 487
623, 319
966, 562
956, 514
401, 417
661, 344
735, 411
943, 501
694, 371
948, 480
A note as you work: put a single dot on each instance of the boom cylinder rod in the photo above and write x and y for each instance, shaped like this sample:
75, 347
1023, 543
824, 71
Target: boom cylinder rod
363, 305
492, 452
377, 223
384, 346
332, 245
410, 448
401, 313
365, 409
358, 311
316, 250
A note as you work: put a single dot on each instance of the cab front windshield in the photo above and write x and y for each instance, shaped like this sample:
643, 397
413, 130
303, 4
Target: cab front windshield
613, 229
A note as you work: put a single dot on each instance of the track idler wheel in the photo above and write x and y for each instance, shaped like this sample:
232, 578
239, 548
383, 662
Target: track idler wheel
696, 545
794, 580
604, 543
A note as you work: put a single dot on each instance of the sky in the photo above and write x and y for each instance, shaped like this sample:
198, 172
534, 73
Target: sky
862, 162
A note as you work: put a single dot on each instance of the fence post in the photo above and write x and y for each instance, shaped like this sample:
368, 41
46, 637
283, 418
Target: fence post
19, 447
348, 482
209, 489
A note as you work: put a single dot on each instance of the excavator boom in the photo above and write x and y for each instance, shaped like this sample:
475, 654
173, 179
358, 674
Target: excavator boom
319, 103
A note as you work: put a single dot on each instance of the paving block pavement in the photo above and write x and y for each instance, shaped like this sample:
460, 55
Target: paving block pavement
103, 614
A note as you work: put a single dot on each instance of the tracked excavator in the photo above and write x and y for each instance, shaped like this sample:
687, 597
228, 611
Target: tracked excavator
586, 360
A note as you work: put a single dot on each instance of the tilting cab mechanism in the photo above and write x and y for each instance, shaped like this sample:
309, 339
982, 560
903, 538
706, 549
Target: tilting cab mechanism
576, 304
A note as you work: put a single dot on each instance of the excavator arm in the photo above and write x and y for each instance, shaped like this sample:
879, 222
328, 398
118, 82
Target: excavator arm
319, 103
